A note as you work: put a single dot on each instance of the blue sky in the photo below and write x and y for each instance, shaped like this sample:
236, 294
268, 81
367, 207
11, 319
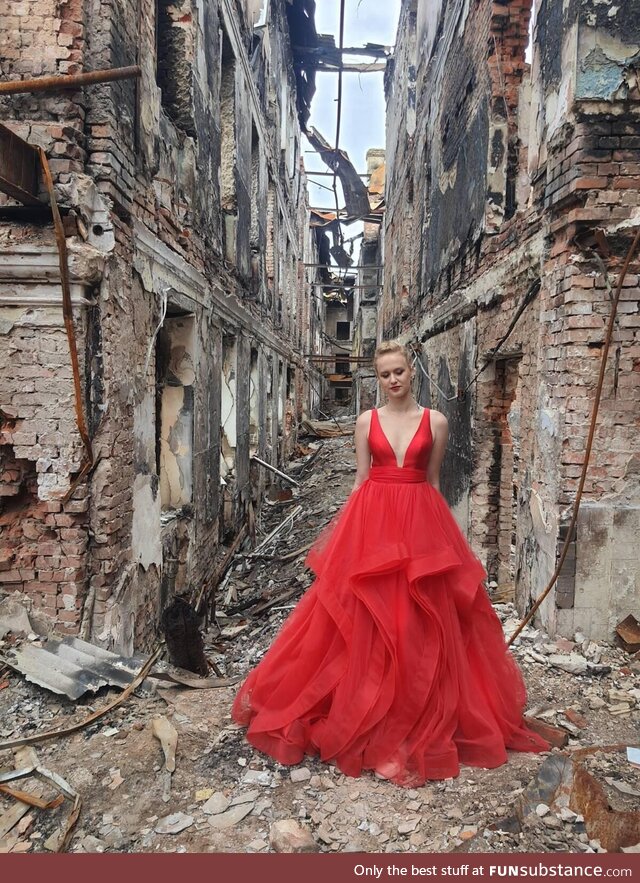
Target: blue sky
363, 109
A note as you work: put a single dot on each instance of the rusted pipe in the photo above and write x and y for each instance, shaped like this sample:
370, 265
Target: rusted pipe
67, 312
70, 81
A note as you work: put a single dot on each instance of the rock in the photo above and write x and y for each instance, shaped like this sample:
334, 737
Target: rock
623, 708
563, 644
92, 844
116, 839
541, 810
468, 832
216, 804
408, 827
231, 817
262, 806
375, 830
573, 663
594, 669
257, 845
556, 737
618, 696
247, 797
13, 618
300, 774
257, 777
173, 824
288, 836
596, 702
552, 821
576, 718
324, 834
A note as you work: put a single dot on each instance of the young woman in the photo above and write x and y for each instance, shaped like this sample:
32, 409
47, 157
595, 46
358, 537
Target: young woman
394, 659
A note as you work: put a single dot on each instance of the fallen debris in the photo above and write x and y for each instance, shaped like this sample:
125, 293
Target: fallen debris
175, 677
614, 828
13, 618
174, 823
181, 627
231, 816
167, 734
277, 472
555, 736
216, 804
57, 842
268, 540
629, 633
288, 836
66, 731
328, 428
71, 666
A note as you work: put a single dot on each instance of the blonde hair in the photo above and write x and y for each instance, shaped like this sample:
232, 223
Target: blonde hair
391, 346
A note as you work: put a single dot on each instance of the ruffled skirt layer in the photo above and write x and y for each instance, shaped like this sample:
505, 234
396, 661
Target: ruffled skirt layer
394, 660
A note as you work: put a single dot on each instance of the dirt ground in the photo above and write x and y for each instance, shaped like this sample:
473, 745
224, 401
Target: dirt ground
225, 796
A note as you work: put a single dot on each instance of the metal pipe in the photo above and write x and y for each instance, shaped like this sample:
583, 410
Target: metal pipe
277, 471
330, 174
352, 267
72, 81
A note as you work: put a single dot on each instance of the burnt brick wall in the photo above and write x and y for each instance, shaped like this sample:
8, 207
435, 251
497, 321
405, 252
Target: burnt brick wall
521, 173
137, 171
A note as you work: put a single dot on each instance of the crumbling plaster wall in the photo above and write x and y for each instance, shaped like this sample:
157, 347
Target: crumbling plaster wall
511, 169
137, 166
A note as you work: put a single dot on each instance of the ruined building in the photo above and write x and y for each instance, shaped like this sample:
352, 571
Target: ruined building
183, 200
513, 186
368, 289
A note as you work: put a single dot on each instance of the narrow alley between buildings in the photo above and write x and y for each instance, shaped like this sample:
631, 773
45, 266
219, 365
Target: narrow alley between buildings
211, 214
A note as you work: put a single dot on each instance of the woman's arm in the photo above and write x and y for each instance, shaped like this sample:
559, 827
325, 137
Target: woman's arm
363, 455
440, 434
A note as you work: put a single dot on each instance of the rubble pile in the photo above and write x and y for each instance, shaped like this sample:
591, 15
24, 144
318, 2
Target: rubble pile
169, 771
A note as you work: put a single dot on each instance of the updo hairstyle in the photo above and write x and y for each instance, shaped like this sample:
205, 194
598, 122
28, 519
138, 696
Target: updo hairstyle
391, 346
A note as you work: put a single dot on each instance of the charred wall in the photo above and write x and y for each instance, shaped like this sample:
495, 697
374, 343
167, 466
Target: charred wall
163, 273
521, 162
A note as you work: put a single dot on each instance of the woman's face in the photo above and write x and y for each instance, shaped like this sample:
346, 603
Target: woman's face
394, 375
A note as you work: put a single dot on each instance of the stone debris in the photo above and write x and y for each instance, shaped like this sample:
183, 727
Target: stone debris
287, 835
14, 618
217, 803
240, 800
174, 823
231, 817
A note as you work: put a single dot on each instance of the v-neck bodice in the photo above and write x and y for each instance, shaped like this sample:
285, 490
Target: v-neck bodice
416, 455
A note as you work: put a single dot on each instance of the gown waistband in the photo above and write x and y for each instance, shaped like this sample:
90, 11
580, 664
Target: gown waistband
396, 475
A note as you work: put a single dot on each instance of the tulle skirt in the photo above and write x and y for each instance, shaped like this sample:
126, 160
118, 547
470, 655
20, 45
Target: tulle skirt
394, 660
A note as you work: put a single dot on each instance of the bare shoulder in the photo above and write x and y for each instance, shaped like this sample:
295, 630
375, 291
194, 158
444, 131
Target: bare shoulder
439, 422
364, 420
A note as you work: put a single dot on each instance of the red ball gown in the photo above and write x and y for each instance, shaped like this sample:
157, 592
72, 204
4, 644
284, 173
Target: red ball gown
394, 660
